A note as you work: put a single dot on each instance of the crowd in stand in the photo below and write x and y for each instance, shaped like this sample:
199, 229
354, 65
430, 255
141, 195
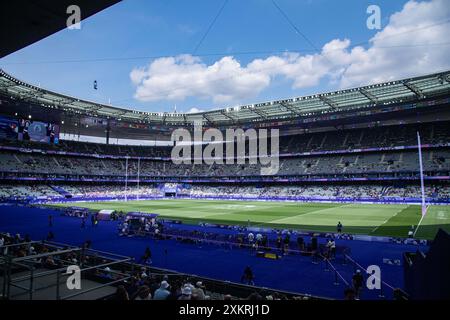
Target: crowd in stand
379, 162
352, 192
342, 139
358, 163
300, 192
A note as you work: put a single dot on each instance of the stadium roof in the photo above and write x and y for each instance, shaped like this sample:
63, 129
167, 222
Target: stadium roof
400, 91
25, 22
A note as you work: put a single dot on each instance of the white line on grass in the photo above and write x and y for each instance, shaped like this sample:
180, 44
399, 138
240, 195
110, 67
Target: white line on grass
389, 218
308, 213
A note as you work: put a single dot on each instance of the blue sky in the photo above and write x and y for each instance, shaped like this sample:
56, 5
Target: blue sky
123, 38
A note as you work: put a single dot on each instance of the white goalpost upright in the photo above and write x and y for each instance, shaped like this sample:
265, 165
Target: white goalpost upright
126, 177
422, 185
138, 177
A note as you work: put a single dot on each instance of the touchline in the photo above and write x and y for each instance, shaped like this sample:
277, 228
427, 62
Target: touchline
208, 147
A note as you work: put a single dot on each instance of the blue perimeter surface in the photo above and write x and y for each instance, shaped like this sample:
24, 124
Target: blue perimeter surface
292, 273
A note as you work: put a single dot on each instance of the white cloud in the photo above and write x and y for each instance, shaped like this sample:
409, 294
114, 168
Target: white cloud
195, 110
403, 48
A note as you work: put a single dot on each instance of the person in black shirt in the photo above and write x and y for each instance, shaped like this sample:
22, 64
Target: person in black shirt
50, 236
339, 227
147, 257
248, 276
357, 281
314, 245
301, 243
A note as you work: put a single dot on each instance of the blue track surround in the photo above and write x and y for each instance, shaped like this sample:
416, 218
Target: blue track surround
298, 273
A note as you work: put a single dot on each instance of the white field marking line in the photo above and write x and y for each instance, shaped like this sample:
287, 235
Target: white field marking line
389, 218
192, 213
308, 213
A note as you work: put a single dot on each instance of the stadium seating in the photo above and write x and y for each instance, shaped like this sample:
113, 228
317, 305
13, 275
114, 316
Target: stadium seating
99, 162
305, 192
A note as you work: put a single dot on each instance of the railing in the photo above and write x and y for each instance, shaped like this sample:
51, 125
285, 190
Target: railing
356, 265
28, 263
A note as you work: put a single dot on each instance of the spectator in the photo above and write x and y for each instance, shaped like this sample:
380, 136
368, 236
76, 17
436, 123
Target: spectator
255, 297
121, 294
248, 277
162, 292
198, 291
144, 293
357, 281
186, 293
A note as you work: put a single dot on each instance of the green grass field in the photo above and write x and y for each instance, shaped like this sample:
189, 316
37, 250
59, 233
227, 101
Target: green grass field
370, 219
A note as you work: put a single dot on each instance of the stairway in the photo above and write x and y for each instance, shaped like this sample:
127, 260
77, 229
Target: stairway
61, 191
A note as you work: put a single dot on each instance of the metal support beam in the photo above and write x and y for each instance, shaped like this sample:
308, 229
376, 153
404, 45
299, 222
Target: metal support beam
290, 108
208, 119
414, 89
259, 113
32, 94
228, 116
368, 95
6, 86
328, 102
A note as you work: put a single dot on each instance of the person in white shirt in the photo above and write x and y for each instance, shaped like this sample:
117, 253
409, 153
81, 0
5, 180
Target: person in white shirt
250, 237
331, 246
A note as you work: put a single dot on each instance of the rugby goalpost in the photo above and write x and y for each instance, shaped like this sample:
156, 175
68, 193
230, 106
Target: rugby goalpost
138, 178
424, 207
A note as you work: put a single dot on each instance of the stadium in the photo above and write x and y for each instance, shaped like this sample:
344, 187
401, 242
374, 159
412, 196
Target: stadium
359, 181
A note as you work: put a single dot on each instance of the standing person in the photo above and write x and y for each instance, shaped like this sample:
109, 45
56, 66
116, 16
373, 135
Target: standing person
339, 227
314, 244
259, 238
357, 281
248, 276
279, 242
83, 222
50, 220
147, 257
300, 243
50, 236
93, 219
286, 241
251, 237
331, 248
